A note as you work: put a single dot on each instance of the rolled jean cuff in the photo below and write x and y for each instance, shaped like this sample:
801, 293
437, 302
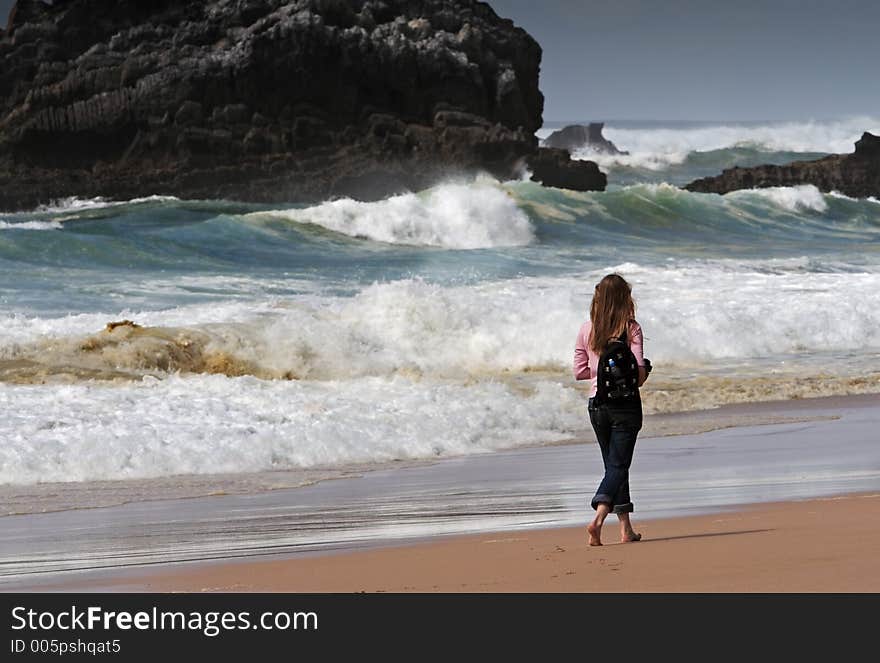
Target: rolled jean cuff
624, 508
601, 498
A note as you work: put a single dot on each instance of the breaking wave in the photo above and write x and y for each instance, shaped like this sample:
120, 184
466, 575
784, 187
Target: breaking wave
454, 216
791, 198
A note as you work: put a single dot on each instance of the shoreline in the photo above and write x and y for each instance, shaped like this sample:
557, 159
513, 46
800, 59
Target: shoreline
770, 547
53, 497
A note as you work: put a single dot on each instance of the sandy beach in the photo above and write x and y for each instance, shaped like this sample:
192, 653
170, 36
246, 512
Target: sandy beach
822, 545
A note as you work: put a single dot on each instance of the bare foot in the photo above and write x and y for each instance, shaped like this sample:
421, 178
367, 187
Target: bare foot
595, 533
630, 537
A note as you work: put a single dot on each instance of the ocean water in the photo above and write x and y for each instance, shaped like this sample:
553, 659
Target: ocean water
435, 323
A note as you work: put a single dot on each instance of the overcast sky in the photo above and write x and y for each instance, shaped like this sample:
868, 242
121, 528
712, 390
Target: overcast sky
704, 59
701, 59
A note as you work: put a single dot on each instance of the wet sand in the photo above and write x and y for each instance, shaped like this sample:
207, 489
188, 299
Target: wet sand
822, 545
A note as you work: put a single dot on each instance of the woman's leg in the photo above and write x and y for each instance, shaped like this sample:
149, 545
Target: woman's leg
623, 506
627, 533
625, 426
602, 427
594, 529
614, 489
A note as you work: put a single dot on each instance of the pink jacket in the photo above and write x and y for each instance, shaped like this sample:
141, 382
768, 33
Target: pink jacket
585, 358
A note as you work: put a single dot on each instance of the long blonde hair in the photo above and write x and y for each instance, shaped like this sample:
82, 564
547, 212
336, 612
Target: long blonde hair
611, 310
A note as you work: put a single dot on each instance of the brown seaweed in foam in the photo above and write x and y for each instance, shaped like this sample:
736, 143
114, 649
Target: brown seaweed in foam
121, 323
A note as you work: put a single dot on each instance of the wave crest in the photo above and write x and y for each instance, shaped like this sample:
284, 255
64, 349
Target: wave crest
455, 216
791, 198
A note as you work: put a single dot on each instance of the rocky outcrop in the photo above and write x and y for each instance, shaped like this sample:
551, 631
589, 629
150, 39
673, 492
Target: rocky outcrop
577, 136
555, 165
856, 175
260, 100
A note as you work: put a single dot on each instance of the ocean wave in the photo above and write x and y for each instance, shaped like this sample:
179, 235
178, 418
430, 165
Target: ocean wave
791, 198
455, 216
212, 235
662, 217
654, 161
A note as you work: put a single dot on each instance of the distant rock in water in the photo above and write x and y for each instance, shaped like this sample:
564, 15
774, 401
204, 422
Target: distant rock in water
577, 136
856, 175
556, 165
262, 100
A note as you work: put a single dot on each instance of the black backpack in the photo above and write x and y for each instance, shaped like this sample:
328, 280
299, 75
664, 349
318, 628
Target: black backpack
617, 376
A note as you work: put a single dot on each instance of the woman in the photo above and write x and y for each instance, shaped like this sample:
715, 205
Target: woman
612, 313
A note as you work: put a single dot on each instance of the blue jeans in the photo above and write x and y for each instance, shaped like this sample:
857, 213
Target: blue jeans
616, 427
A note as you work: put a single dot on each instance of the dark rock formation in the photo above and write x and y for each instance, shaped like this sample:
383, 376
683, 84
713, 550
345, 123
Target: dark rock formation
551, 164
260, 100
577, 136
856, 175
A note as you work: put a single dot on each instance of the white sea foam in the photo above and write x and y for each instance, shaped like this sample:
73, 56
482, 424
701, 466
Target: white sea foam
19, 328
74, 204
215, 424
714, 314
31, 225
657, 148
843, 196
791, 198
457, 216
211, 424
